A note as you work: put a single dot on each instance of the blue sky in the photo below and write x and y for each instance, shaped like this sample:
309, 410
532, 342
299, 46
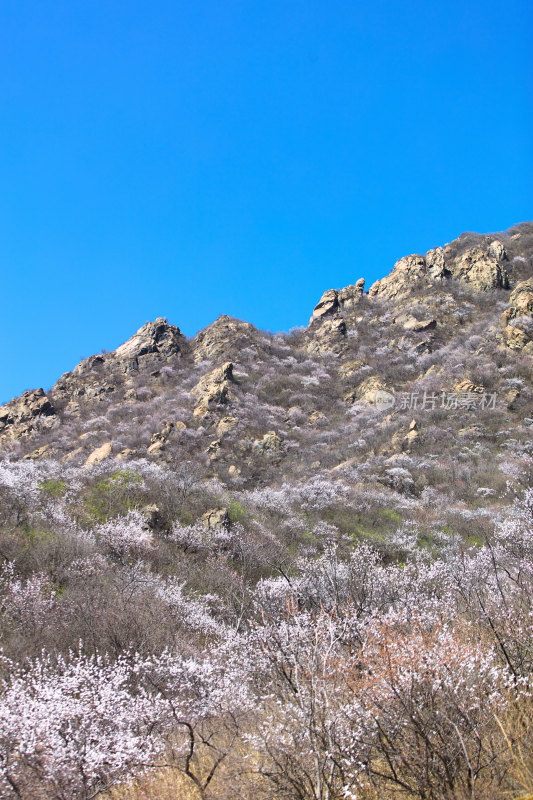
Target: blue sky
187, 159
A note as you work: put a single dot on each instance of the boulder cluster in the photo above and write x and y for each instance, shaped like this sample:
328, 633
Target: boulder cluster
482, 268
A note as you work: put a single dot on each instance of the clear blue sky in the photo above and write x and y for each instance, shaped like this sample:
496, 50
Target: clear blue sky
187, 159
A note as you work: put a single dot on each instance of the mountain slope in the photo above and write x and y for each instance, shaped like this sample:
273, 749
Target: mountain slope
278, 566
458, 319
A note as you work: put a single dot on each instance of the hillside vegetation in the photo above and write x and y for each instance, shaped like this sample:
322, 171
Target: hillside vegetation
264, 566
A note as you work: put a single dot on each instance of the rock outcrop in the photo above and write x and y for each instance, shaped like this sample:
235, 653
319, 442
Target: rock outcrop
367, 390
328, 304
270, 443
88, 365
334, 301
408, 271
98, 376
328, 336
520, 302
411, 323
465, 386
154, 338
214, 389
436, 264
412, 435
225, 425
518, 318
224, 339
481, 267
516, 338
350, 295
160, 438
23, 415
98, 455
39, 453
352, 367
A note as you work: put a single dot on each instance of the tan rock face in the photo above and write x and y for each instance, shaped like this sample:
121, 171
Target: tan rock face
214, 450
410, 440
436, 264
328, 337
225, 425
351, 295
89, 365
156, 337
407, 272
434, 370
405, 442
520, 302
483, 269
98, 392
213, 389
517, 338
472, 431
411, 323
511, 397
25, 414
517, 335
333, 302
73, 455
159, 439
224, 339
349, 368
39, 453
466, 386
98, 455
125, 454
155, 448
367, 390
522, 297
328, 304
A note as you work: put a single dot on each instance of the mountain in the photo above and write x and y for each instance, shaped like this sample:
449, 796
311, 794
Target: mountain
292, 565
458, 318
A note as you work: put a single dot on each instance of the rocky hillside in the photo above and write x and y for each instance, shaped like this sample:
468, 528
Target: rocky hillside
249, 407
281, 565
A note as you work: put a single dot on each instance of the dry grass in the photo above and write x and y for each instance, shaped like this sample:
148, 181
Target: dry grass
517, 729
165, 784
511, 780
